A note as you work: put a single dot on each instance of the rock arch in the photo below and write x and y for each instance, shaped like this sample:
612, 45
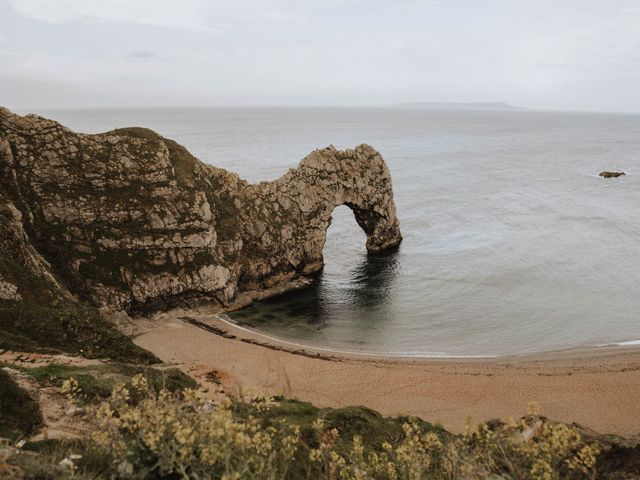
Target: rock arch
132, 221
300, 203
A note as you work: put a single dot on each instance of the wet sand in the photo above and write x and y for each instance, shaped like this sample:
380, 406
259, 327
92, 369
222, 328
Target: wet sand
597, 388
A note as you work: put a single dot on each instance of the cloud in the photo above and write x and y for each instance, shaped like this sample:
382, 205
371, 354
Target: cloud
184, 14
211, 15
536, 52
141, 55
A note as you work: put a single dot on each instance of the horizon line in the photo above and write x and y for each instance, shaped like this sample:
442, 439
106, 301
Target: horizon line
394, 106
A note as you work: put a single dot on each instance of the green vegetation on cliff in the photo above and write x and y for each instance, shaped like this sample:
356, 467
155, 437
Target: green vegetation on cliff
97, 381
46, 321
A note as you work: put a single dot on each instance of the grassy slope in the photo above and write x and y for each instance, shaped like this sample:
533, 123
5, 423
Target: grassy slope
353, 420
19, 413
97, 381
47, 321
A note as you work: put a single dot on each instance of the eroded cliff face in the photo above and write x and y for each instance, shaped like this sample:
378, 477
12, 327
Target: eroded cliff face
131, 220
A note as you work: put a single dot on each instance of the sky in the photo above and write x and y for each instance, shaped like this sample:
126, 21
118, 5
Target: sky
541, 54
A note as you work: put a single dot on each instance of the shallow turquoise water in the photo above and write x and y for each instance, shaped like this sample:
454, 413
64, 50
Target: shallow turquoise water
512, 243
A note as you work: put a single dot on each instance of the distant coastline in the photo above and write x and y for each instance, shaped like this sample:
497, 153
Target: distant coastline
497, 106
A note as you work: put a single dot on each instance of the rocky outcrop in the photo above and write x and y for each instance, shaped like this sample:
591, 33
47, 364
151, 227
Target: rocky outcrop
8, 291
131, 220
606, 174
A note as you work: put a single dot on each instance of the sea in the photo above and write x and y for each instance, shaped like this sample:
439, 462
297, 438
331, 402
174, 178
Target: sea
512, 242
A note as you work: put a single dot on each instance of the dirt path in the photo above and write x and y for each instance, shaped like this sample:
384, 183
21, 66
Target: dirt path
62, 419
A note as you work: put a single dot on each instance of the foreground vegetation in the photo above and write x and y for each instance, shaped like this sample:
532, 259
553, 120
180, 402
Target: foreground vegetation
141, 431
184, 434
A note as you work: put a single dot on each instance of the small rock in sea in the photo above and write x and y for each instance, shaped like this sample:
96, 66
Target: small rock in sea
606, 174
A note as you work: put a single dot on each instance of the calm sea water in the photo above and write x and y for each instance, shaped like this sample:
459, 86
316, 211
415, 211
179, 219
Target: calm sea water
512, 244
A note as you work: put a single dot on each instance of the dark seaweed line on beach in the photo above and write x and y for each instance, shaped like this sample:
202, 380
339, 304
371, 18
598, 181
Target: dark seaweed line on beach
208, 328
222, 333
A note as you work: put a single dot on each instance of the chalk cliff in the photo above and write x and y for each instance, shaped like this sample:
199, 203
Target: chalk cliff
130, 220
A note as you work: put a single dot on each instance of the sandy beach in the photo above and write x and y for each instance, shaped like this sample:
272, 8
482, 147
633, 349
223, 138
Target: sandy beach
597, 388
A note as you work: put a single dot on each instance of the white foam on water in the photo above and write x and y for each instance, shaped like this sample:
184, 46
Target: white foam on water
626, 343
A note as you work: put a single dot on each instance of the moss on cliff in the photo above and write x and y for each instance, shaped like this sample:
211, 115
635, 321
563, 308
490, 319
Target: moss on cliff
227, 217
184, 164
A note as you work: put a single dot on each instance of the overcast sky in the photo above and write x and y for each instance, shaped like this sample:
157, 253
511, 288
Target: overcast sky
548, 54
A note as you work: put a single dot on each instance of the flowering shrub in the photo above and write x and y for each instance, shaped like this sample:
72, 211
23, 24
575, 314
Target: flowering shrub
531, 447
71, 388
183, 435
414, 457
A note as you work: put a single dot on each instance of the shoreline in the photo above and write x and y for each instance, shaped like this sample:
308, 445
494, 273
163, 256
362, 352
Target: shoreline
217, 314
598, 388
607, 349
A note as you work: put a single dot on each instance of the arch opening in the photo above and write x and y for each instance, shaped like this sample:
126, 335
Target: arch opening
345, 240
351, 276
